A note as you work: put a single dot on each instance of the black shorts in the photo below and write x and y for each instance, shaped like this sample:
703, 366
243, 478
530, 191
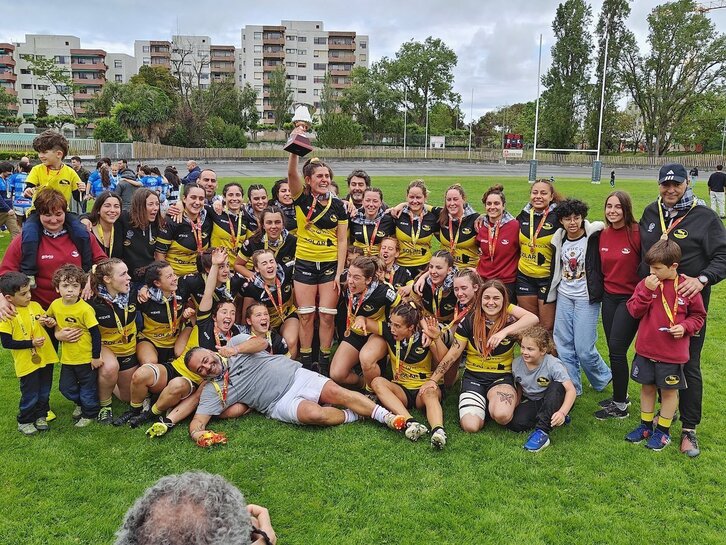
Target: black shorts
312, 273
528, 286
667, 376
127, 362
355, 340
411, 395
171, 371
481, 383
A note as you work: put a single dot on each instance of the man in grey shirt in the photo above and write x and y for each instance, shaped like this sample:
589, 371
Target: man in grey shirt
274, 385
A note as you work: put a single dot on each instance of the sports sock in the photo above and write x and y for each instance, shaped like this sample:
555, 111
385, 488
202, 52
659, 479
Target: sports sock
664, 424
106, 402
350, 416
647, 419
136, 407
620, 405
156, 410
306, 357
379, 414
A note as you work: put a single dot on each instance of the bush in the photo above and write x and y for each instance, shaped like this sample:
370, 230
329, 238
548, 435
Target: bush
339, 131
221, 134
13, 155
108, 130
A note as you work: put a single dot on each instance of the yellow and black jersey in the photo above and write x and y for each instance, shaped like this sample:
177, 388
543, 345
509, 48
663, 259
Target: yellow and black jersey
284, 248
138, 245
205, 335
278, 299
317, 227
438, 302
459, 238
276, 342
229, 231
162, 320
415, 235
194, 284
411, 361
375, 304
181, 242
398, 277
368, 237
117, 325
535, 237
498, 361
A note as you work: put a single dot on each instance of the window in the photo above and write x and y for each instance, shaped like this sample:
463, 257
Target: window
203, 76
147, 60
145, 48
258, 35
26, 86
290, 51
258, 75
187, 63
320, 66
320, 41
118, 64
258, 88
302, 39
302, 65
25, 71
27, 101
316, 92
302, 78
362, 58
291, 64
291, 38
319, 79
289, 76
258, 62
363, 45
61, 59
302, 91
41, 87
302, 52
257, 49
119, 78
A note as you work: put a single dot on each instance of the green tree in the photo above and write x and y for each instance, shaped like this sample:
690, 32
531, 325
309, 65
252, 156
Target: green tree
339, 131
224, 135
111, 94
146, 111
687, 58
58, 77
42, 113
702, 127
159, 77
422, 73
108, 130
328, 98
280, 95
225, 100
6, 100
566, 80
372, 102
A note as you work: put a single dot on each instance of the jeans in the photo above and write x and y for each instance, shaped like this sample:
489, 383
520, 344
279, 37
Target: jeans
538, 413
575, 335
79, 383
620, 329
35, 394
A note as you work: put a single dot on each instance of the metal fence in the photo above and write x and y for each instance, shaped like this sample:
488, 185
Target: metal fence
120, 150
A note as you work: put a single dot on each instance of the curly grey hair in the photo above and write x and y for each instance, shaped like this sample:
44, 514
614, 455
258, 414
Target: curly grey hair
194, 508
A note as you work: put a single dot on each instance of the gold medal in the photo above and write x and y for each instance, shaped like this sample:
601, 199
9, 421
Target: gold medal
35, 358
664, 236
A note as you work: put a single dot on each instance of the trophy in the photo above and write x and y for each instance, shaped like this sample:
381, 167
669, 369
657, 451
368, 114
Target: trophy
298, 143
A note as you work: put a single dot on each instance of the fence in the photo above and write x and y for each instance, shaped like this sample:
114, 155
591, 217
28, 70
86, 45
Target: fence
23, 142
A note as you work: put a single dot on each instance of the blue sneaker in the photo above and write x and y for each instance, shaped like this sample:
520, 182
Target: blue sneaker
658, 441
537, 441
639, 434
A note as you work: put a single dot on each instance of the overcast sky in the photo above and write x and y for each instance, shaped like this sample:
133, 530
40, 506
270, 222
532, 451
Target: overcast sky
496, 40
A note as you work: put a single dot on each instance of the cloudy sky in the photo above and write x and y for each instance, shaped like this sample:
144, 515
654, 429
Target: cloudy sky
496, 40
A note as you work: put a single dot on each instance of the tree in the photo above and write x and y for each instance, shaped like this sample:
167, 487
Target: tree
339, 131
280, 95
146, 111
701, 129
422, 74
372, 102
187, 68
687, 57
328, 97
59, 78
225, 100
42, 108
6, 100
108, 130
160, 77
566, 80
629, 127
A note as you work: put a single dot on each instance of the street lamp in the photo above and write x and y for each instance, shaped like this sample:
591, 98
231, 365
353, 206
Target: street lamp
723, 136
426, 137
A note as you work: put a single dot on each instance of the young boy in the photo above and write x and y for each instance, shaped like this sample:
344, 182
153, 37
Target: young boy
78, 377
547, 391
667, 320
33, 353
52, 147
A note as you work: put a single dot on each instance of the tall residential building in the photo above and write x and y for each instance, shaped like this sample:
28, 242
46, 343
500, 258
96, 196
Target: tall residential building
306, 51
121, 67
7, 72
152, 53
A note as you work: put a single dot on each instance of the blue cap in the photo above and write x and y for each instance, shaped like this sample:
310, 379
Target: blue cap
672, 172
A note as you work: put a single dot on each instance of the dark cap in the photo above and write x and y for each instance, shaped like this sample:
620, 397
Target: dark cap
672, 172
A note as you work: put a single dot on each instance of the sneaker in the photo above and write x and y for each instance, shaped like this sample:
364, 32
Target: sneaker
395, 421
658, 441
537, 441
141, 418
608, 401
82, 422
77, 412
105, 415
160, 428
438, 439
414, 431
27, 429
639, 434
50, 416
125, 417
611, 411
41, 424
689, 443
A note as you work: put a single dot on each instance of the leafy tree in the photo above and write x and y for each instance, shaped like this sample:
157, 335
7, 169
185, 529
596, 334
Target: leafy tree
339, 131
160, 77
629, 127
108, 130
328, 98
59, 78
372, 102
224, 100
566, 80
6, 100
423, 73
111, 94
442, 118
146, 111
280, 95
224, 135
687, 57
42, 107
702, 127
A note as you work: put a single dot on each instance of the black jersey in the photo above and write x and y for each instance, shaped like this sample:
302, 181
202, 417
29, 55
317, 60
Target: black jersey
194, 284
138, 245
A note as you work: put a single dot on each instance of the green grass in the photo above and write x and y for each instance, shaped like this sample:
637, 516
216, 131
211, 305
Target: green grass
361, 483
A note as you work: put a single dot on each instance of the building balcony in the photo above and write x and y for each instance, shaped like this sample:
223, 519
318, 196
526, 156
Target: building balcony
342, 46
79, 110
221, 58
89, 66
11, 92
339, 85
341, 58
8, 76
88, 53
273, 41
7, 60
94, 81
273, 54
229, 69
340, 72
270, 68
84, 96
7, 47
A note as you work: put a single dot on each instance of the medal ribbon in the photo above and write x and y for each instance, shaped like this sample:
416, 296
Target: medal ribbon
458, 317
414, 239
351, 316
453, 241
120, 326
235, 234
222, 392
197, 232
279, 305
493, 239
35, 358
309, 215
532, 233
398, 357
172, 317
369, 245
670, 313
674, 223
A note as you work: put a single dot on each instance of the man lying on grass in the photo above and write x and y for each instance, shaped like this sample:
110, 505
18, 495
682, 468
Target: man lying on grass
274, 385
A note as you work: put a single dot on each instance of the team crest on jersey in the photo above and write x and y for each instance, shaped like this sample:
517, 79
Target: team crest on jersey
547, 225
329, 272
71, 320
131, 308
505, 341
651, 226
672, 380
287, 288
420, 350
680, 233
426, 228
333, 218
505, 241
368, 308
625, 251
543, 381
127, 242
129, 234
681, 302
466, 231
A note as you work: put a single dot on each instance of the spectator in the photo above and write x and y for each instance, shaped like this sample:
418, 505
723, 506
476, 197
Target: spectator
195, 508
194, 172
127, 186
694, 176
21, 204
7, 213
77, 165
716, 183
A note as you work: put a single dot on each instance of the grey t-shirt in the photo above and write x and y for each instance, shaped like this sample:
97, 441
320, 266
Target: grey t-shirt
126, 191
258, 380
535, 382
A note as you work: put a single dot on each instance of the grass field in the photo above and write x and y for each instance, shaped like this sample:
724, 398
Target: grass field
361, 483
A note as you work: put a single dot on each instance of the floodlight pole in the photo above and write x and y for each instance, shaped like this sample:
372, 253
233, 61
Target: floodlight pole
597, 165
471, 122
405, 115
426, 137
533, 162
723, 136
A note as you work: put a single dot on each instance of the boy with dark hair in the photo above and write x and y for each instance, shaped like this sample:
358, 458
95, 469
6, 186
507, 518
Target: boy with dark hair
78, 379
32, 351
667, 320
52, 173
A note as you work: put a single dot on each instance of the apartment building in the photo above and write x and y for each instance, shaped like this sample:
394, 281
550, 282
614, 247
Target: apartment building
307, 51
121, 67
8, 78
152, 53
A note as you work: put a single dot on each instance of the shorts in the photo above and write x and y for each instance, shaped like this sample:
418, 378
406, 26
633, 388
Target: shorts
667, 376
528, 286
411, 395
127, 362
306, 386
163, 355
354, 339
312, 273
481, 383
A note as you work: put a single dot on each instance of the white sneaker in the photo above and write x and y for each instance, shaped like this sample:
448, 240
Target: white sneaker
414, 431
438, 439
83, 422
77, 412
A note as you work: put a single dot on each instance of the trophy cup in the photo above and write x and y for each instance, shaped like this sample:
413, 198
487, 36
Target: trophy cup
298, 143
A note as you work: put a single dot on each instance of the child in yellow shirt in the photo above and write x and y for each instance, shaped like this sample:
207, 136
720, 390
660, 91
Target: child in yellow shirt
33, 354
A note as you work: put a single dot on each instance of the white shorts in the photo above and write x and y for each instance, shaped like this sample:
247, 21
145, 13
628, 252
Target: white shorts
306, 386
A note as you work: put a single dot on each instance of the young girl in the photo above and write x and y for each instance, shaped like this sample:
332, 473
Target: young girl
270, 235
487, 335
257, 201
226, 285
102, 223
547, 391
282, 198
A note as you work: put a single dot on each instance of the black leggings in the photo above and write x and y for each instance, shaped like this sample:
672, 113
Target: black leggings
691, 399
620, 329
538, 413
